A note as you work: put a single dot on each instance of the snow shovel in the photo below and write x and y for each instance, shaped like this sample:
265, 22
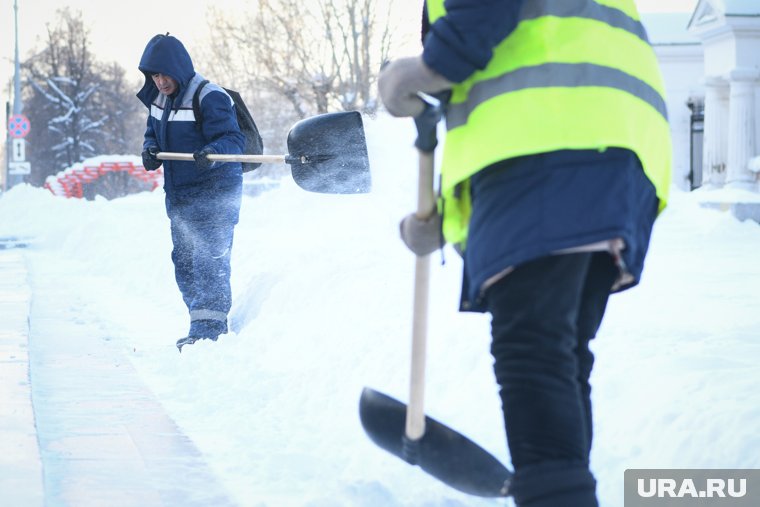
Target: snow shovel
404, 430
327, 153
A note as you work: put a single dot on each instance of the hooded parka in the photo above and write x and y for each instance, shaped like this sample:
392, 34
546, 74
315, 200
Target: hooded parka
171, 127
203, 205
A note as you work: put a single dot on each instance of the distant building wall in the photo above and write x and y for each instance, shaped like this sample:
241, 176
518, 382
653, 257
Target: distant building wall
681, 58
682, 67
729, 31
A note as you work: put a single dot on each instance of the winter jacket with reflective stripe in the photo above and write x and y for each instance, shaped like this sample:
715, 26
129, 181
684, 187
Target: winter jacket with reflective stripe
575, 74
171, 124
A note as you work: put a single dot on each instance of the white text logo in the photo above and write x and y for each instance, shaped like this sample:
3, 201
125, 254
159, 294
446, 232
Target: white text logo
713, 488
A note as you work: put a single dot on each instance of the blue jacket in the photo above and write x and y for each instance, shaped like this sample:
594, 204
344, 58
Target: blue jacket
462, 41
529, 207
171, 127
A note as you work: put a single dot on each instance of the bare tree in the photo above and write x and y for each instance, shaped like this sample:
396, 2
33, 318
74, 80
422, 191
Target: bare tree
292, 59
122, 131
359, 43
317, 56
286, 55
80, 107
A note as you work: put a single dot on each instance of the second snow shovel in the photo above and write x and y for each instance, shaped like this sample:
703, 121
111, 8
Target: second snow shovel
404, 430
327, 153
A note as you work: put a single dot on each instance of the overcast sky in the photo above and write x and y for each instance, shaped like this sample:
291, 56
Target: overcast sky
120, 30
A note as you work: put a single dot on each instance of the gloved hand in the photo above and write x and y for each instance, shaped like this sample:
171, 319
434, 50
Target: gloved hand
400, 80
422, 237
201, 158
150, 162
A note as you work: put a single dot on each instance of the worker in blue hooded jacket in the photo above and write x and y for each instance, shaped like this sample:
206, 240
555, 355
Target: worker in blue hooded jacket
202, 196
555, 165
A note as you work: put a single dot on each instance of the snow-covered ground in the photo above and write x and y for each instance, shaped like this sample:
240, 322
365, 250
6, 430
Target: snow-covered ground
323, 297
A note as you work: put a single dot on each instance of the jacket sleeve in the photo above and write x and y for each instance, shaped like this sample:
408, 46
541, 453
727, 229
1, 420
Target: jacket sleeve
220, 125
149, 139
462, 41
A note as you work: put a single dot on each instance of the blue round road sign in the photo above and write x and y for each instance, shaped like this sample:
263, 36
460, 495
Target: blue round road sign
18, 126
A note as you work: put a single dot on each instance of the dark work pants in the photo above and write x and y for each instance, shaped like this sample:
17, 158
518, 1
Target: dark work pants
544, 314
201, 257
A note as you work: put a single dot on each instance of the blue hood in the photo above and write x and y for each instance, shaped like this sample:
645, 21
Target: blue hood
164, 54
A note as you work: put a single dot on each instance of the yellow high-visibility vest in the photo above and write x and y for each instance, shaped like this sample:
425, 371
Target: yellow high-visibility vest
574, 74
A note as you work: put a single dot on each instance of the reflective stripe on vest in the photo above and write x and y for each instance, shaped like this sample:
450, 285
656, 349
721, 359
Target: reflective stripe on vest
575, 74
614, 13
559, 75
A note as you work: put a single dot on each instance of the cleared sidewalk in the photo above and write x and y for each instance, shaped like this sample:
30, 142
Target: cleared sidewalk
20, 466
85, 431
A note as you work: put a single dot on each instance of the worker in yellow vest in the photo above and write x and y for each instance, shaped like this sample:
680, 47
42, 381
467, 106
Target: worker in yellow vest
556, 163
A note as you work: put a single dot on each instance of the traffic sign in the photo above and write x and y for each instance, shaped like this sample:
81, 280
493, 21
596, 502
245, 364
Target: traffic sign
18, 126
18, 153
19, 168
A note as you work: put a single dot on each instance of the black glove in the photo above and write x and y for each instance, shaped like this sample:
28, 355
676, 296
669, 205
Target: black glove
150, 162
201, 158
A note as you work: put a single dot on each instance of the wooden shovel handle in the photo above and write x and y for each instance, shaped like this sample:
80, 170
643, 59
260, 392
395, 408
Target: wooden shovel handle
415, 415
261, 159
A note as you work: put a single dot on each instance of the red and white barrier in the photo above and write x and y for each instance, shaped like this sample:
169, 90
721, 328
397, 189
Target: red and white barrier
68, 183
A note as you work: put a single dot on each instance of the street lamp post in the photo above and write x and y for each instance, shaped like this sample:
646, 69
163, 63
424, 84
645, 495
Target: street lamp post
18, 106
17, 166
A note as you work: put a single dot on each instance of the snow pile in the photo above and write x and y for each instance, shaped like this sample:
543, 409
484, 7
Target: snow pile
322, 292
754, 164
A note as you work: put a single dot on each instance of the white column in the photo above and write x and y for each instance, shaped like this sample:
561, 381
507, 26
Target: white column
716, 131
741, 127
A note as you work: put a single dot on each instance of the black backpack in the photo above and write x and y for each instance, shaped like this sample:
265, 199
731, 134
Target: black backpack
254, 145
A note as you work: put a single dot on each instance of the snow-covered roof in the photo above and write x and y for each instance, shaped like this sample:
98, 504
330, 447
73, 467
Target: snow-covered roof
738, 7
711, 13
667, 28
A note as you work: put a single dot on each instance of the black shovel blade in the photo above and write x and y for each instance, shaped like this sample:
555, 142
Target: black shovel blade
442, 452
328, 154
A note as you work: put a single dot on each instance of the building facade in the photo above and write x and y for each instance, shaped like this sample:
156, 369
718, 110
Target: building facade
729, 31
711, 64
